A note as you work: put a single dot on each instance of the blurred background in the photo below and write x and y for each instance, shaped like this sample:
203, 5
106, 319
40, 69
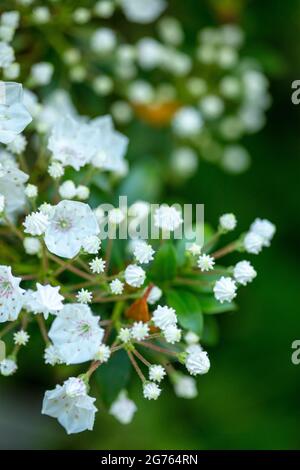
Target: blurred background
250, 398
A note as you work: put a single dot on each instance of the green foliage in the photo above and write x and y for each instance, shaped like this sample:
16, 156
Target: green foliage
188, 309
164, 266
113, 376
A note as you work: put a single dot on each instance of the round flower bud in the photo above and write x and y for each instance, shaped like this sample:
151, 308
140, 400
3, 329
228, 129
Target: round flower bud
151, 391
67, 190
32, 246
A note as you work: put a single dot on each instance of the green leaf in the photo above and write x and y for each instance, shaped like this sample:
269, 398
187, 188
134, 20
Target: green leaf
113, 376
164, 266
188, 309
212, 306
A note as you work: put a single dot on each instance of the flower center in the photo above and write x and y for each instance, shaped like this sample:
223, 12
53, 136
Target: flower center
63, 224
6, 289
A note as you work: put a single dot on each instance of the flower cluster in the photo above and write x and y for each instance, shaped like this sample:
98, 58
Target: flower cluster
103, 303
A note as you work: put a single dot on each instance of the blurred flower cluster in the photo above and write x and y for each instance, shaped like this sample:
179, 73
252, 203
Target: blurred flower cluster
200, 89
122, 305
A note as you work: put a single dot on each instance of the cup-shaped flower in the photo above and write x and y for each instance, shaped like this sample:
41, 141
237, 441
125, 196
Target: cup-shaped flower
11, 295
76, 334
70, 224
71, 405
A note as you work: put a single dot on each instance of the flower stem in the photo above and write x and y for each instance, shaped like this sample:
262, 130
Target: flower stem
136, 367
226, 250
141, 358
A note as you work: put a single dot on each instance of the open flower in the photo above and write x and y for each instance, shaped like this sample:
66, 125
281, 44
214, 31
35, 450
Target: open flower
71, 405
71, 142
11, 295
69, 226
123, 408
14, 117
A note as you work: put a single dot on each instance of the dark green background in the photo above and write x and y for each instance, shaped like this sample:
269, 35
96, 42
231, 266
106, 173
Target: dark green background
250, 398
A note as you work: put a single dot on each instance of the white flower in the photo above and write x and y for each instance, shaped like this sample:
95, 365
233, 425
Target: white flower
244, 272
225, 289
71, 142
82, 192
194, 249
91, 244
149, 53
103, 40
109, 145
41, 14
67, 190
11, 295
2, 203
31, 191
70, 404
47, 209
139, 331
134, 275
123, 408
103, 353
52, 356
197, 362
140, 92
227, 222
253, 243
41, 73
56, 170
124, 335
76, 334
104, 8
164, 317
167, 218
191, 338
12, 184
154, 296
184, 161
143, 252
151, 391
97, 265
116, 287
187, 122
35, 223
264, 228
81, 15
7, 55
10, 18
185, 386
156, 373
45, 300
206, 262
212, 106
18, 145
14, 117
144, 12
21, 338
70, 224
8, 367
84, 296
172, 334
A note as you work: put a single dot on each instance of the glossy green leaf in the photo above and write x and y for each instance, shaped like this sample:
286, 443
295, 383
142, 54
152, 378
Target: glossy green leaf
188, 309
164, 266
113, 376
